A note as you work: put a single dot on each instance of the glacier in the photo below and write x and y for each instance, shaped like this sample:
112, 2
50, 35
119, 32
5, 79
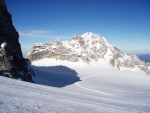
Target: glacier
101, 89
84, 75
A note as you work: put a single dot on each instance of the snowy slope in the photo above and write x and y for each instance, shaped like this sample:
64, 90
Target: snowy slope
101, 89
89, 48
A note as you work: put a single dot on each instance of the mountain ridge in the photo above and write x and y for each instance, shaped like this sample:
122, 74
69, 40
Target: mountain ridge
87, 47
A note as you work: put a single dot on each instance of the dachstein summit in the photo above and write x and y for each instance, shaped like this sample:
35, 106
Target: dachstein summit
88, 47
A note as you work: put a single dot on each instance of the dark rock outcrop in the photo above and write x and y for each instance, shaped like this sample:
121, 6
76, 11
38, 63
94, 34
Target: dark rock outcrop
12, 62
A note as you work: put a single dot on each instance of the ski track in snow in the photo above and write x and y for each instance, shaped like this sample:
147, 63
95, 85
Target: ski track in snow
90, 95
93, 90
57, 95
89, 89
96, 91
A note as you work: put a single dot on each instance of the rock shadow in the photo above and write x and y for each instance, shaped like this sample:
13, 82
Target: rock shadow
56, 76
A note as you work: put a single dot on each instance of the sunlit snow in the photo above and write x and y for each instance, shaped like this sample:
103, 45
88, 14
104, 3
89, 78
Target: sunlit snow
100, 89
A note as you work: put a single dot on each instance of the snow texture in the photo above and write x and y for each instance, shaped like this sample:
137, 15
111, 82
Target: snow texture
101, 89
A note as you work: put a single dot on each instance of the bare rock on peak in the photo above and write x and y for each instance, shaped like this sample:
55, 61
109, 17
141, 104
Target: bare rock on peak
88, 47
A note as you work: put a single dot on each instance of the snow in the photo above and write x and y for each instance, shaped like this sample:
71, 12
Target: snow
3, 45
88, 47
100, 89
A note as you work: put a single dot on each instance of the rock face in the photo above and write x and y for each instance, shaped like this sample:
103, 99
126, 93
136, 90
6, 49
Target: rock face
12, 62
87, 47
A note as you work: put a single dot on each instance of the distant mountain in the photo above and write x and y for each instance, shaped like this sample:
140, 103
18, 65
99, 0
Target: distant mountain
88, 47
144, 57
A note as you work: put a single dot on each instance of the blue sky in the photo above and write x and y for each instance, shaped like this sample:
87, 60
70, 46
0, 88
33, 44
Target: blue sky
124, 23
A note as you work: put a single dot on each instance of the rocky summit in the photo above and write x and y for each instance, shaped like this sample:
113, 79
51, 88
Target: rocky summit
88, 47
12, 63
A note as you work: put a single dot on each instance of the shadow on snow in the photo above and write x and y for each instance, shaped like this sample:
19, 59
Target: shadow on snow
56, 76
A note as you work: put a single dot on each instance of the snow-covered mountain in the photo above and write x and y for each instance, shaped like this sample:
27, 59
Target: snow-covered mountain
88, 47
79, 78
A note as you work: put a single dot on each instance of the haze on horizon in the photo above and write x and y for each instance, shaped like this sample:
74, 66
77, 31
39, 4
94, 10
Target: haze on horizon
124, 23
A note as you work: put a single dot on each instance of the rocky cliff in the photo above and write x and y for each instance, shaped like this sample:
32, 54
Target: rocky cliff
12, 63
88, 47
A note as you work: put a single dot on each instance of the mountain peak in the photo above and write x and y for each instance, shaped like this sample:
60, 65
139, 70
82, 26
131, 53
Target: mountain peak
96, 37
88, 47
90, 35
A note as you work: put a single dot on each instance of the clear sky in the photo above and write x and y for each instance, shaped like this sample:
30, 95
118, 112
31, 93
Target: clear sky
124, 23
